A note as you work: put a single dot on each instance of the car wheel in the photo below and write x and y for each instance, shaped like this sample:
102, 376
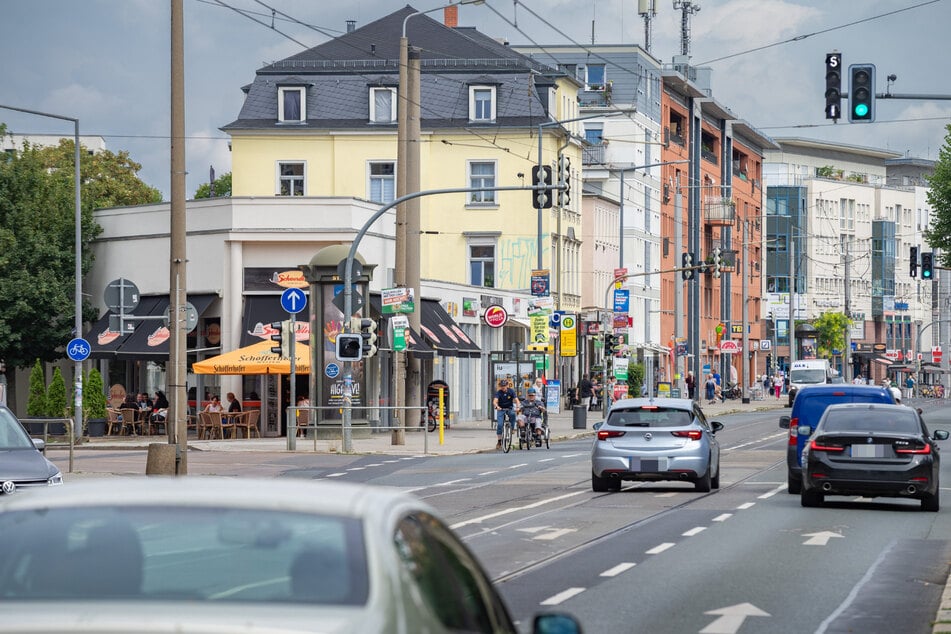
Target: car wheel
599, 485
715, 480
614, 484
931, 502
704, 482
794, 484
811, 498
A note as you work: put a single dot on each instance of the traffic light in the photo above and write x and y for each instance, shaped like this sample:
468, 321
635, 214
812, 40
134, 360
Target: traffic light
367, 328
541, 176
564, 180
349, 346
717, 261
913, 262
686, 263
610, 341
769, 365
833, 85
282, 337
927, 265
862, 93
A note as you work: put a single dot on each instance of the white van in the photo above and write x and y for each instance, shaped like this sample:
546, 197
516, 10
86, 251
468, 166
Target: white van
808, 372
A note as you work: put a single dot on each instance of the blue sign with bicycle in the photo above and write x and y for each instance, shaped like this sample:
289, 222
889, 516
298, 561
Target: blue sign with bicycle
78, 349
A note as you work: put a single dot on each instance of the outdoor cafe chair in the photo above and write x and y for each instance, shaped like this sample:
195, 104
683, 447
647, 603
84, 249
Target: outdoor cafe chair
131, 420
113, 422
248, 421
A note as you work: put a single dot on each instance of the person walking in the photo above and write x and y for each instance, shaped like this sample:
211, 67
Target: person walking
585, 391
778, 385
691, 382
505, 402
710, 388
909, 387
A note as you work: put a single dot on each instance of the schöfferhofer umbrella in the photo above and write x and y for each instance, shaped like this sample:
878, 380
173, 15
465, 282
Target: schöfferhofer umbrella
255, 359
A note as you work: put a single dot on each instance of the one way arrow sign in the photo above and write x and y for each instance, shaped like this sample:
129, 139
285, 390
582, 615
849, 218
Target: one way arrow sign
731, 618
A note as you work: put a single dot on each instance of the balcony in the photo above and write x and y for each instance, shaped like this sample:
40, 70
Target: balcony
718, 211
593, 155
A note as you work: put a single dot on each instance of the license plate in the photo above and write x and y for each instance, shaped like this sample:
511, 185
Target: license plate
649, 464
868, 451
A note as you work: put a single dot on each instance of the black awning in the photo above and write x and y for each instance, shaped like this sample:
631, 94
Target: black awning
260, 311
416, 344
150, 339
443, 333
106, 343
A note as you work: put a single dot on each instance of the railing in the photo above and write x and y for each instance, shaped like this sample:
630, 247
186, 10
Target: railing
593, 155
46, 422
312, 425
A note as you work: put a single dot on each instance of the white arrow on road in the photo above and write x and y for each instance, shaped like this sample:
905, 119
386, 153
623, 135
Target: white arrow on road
731, 618
549, 533
819, 539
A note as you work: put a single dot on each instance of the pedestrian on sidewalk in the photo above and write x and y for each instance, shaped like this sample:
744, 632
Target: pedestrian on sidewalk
691, 382
778, 385
909, 386
585, 391
710, 387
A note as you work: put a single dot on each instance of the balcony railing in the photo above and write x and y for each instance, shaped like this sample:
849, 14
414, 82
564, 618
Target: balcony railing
719, 211
593, 155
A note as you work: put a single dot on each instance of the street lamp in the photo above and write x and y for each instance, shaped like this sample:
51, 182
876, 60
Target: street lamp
78, 297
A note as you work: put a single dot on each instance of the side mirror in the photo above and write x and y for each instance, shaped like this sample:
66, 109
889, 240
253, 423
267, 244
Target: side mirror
597, 425
717, 426
39, 443
556, 624
940, 434
804, 430
784, 422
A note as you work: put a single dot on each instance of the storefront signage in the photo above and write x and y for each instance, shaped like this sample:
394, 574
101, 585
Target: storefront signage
495, 316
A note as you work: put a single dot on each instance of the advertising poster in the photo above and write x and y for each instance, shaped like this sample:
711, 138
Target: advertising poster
334, 389
553, 396
539, 329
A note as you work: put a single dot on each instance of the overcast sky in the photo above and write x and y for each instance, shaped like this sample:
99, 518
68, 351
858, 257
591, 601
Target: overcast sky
106, 62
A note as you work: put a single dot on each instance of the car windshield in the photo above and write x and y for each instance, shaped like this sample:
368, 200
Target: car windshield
817, 375
864, 420
650, 417
12, 435
168, 553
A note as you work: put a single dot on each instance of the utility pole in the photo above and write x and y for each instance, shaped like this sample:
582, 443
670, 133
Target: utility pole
744, 372
791, 327
679, 289
847, 348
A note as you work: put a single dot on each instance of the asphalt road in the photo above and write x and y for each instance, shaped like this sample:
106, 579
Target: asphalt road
659, 557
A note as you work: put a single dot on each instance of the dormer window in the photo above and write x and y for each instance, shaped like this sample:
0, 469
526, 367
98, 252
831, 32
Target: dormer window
482, 103
382, 105
291, 104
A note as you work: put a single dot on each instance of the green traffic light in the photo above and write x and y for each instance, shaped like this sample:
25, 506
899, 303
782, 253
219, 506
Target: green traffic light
861, 110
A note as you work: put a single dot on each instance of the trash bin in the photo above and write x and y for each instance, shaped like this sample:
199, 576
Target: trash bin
579, 418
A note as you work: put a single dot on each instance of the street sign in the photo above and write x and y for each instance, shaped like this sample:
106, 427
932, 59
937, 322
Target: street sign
78, 349
622, 300
121, 295
293, 300
356, 300
332, 370
191, 316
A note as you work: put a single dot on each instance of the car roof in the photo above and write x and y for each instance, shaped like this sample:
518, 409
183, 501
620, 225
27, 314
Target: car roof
286, 494
900, 409
848, 388
671, 403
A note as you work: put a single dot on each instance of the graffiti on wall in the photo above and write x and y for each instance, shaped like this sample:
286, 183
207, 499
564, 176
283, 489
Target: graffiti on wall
517, 259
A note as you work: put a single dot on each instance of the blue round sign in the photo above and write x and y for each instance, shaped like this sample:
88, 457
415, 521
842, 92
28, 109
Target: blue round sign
78, 349
332, 370
293, 300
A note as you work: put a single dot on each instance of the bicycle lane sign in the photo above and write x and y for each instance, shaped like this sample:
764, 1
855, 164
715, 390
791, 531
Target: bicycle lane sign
78, 349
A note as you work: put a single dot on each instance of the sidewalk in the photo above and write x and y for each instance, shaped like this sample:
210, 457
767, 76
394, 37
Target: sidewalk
461, 438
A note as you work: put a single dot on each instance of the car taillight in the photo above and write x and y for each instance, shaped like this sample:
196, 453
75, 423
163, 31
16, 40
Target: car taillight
816, 445
926, 449
793, 431
608, 433
692, 434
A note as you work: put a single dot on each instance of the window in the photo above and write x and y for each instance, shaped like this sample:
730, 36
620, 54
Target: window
482, 174
482, 103
482, 262
594, 133
383, 105
291, 104
382, 187
290, 179
594, 77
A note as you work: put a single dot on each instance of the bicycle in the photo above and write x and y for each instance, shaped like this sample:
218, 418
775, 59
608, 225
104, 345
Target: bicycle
507, 431
432, 418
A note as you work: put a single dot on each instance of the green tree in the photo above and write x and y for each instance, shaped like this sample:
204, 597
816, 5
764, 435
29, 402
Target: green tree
36, 403
56, 406
635, 379
938, 233
830, 333
94, 396
222, 187
37, 241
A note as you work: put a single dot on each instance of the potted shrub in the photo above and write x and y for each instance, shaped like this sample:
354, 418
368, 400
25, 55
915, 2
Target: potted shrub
94, 404
56, 405
36, 402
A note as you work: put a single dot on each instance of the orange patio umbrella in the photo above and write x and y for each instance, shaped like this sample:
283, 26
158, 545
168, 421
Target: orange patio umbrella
255, 359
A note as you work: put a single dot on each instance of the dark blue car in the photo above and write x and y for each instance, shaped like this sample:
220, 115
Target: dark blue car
810, 404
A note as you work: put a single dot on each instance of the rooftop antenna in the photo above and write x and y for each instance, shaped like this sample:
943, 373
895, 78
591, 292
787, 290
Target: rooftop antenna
686, 7
647, 9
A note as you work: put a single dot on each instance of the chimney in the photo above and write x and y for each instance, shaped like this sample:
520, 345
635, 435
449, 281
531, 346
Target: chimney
351, 25
451, 16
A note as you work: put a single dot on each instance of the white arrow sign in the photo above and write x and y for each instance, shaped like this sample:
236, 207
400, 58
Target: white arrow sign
819, 539
731, 618
547, 533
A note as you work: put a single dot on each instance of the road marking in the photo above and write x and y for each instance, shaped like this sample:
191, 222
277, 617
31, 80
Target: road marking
336, 475
515, 509
516, 466
546, 459
722, 518
666, 495
743, 507
562, 596
572, 455
451, 482
731, 618
555, 534
656, 550
485, 473
356, 468
770, 494
618, 569
819, 539
390, 461
375, 464
694, 531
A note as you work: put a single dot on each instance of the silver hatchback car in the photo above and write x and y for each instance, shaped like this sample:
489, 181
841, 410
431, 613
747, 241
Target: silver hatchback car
655, 439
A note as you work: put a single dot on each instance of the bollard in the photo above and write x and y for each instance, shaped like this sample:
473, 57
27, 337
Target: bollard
160, 459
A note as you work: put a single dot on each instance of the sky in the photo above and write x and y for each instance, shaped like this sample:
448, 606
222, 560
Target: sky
106, 62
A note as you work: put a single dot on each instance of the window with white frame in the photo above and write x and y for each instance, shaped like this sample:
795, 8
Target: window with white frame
482, 174
482, 103
383, 105
382, 181
594, 77
482, 261
291, 104
290, 179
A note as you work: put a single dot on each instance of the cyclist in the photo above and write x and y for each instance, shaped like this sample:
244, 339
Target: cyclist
505, 403
532, 412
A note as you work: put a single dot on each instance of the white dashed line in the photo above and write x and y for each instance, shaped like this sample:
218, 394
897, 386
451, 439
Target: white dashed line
666, 495
656, 550
694, 531
572, 455
485, 473
515, 509
390, 461
743, 507
618, 569
562, 596
451, 482
770, 494
546, 459
356, 468
335, 475
375, 464
723, 518
516, 466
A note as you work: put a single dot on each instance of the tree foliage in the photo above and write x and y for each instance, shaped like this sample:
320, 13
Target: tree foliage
222, 188
36, 401
37, 241
938, 233
830, 333
94, 396
56, 405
